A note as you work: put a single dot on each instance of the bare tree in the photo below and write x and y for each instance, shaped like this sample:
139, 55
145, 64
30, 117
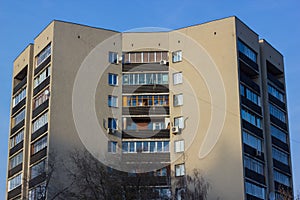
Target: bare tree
193, 187
285, 193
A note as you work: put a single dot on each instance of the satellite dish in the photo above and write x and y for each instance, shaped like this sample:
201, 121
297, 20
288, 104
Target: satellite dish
272, 195
47, 92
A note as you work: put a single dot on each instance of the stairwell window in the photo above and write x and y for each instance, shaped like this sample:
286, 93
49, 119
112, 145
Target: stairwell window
179, 121
112, 101
177, 56
112, 147
113, 57
180, 170
178, 100
177, 78
112, 123
179, 146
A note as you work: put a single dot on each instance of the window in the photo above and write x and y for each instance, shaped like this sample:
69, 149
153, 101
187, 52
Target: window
17, 139
45, 53
145, 78
254, 165
113, 79
112, 123
40, 99
113, 57
281, 178
251, 118
19, 97
178, 100
19, 117
276, 112
42, 76
177, 56
37, 169
179, 121
280, 156
112, 147
112, 101
247, 51
14, 182
276, 93
16, 160
252, 141
145, 147
250, 95
255, 190
277, 133
39, 145
179, 170
177, 78
38, 192
39, 122
179, 146
145, 100
145, 57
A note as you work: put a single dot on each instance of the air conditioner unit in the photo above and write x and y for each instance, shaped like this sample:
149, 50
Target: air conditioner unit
108, 130
175, 129
258, 153
163, 62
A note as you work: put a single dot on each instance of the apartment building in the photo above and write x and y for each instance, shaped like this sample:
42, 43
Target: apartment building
210, 97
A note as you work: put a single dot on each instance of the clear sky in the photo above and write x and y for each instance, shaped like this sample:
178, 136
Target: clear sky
276, 21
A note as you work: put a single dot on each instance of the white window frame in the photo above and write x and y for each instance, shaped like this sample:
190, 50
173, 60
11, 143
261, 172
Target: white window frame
177, 78
178, 100
179, 146
112, 101
179, 170
180, 123
177, 56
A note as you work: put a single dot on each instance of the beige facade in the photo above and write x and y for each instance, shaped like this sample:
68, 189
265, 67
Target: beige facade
88, 87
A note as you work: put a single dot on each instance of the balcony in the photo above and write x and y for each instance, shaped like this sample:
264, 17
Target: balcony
41, 86
13, 193
146, 110
255, 176
144, 67
15, 170
274, 80
40, 108
17, 127
42, 65
145, 89
281, 166
277, 102
247, 62
249, 82
37, 180
18, 106
278, 122
148, 158
38, 156
251, 105
129, 134
20, 85
251, 151
16, 148
253, 129
39, 132
280, 144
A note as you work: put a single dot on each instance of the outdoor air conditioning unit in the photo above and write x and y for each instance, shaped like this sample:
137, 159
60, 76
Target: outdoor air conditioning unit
108, 130
175, 129
163, 62
258, 153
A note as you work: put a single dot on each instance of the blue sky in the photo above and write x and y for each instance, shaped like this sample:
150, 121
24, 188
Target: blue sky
277, 21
